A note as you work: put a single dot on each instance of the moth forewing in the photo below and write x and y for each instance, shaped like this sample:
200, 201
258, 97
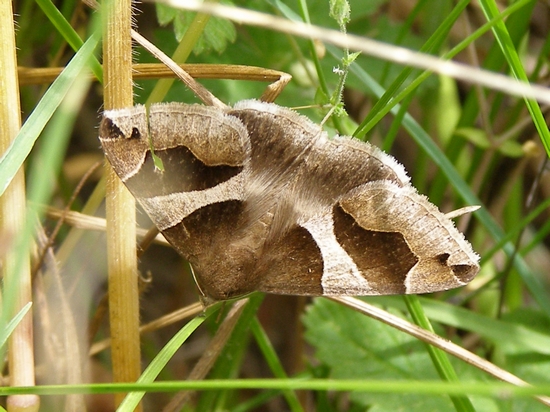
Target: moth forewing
124, 135
444, 259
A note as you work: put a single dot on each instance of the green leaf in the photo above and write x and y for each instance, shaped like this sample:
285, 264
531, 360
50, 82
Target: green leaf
165, 14
320, 97
355, 346
475, 136
215, 37
511, 148
348, 60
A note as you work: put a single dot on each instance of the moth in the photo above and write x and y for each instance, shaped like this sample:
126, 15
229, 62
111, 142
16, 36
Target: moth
258, 198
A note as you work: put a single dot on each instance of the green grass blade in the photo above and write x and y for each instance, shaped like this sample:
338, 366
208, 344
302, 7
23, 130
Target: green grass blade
497, 390
383, 105
439, 358
386, 102
149, 375
503, 38
273, 361
12, 324
16, 154
511, 337
68, 33
229, 362
49, 158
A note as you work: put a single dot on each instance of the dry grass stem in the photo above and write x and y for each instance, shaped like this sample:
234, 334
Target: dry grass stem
44, 75
371, 47
121, 222
166, 320
87, 222
16, 272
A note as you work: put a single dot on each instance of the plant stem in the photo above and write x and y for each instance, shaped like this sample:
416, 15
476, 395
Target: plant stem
121, 222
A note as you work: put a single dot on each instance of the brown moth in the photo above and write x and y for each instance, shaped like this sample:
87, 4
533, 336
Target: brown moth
258, 198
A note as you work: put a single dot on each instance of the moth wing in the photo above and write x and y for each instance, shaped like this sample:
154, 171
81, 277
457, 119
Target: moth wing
329, 254
123, 135
313, 258
203, 151
401, 242
226, 201
212, 136
291, 265
378, 239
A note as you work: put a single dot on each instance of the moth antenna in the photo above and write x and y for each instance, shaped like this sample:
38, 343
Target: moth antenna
461, 211
200, 91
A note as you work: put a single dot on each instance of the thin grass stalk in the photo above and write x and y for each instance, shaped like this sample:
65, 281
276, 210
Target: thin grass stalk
121, 221
16, 272
184, 49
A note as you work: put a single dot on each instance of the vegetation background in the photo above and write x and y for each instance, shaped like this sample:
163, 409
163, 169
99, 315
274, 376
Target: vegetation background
461, 143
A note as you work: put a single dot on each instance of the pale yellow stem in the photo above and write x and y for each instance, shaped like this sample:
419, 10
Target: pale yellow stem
121, 223
17, 275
